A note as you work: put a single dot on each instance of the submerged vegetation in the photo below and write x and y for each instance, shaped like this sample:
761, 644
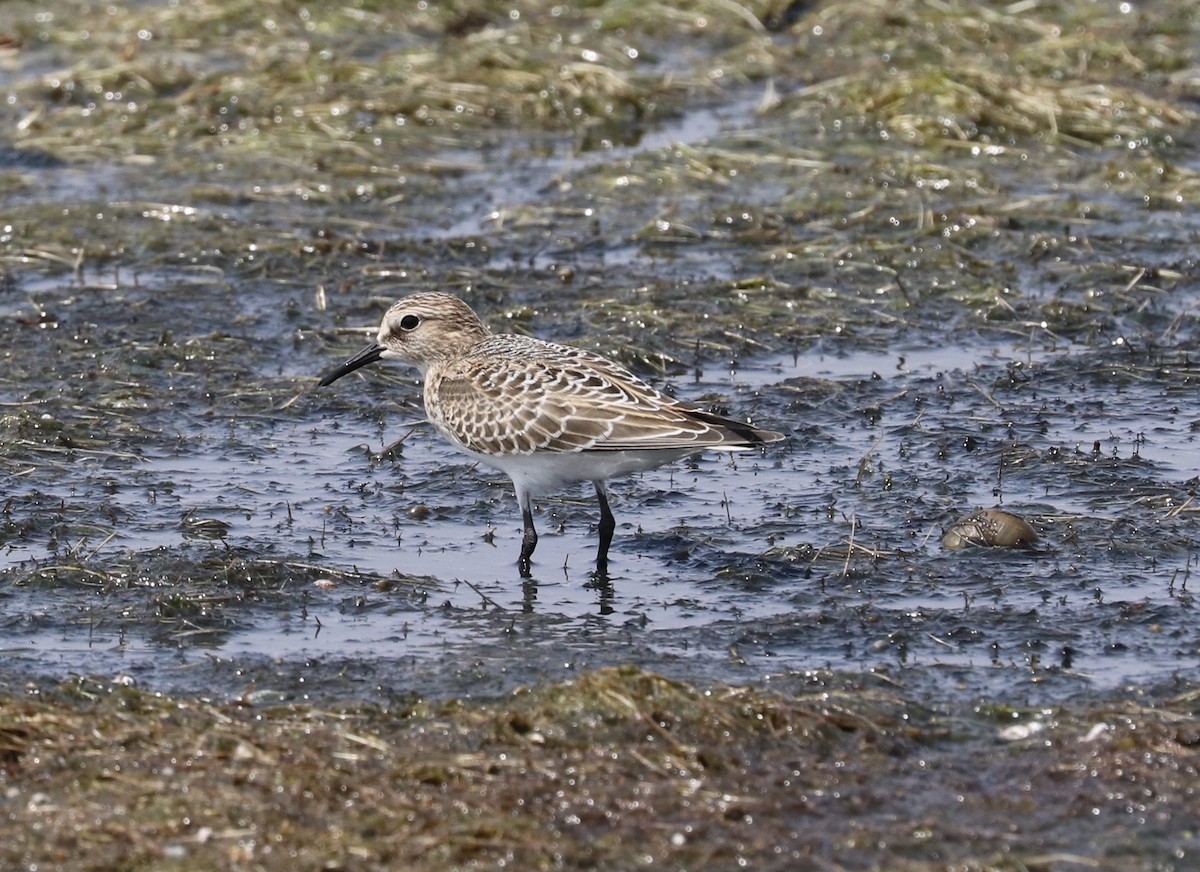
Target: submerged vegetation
620, 769
203, 204
898, 136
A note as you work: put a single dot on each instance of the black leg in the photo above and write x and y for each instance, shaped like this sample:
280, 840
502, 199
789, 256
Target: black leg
607, 525
528, 542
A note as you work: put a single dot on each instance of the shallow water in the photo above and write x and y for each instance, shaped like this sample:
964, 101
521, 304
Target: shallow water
184, 508
722, 570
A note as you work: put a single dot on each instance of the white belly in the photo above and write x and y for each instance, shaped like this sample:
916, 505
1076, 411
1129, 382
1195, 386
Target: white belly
545, 472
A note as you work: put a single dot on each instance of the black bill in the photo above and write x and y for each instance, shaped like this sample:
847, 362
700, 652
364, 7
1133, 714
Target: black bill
370, 354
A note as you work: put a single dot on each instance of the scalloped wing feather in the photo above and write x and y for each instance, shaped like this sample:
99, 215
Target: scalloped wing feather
557, 398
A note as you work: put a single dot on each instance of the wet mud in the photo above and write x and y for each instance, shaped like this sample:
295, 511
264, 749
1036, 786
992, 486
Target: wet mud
946, 303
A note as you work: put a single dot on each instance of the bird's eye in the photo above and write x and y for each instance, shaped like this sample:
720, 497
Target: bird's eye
409, 322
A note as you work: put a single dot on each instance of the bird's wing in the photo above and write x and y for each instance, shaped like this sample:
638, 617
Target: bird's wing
557, 398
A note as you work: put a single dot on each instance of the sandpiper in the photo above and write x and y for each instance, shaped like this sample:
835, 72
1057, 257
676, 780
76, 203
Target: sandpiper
547, 415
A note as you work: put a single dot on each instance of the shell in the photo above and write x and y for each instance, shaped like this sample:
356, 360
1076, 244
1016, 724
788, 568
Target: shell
990, 528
